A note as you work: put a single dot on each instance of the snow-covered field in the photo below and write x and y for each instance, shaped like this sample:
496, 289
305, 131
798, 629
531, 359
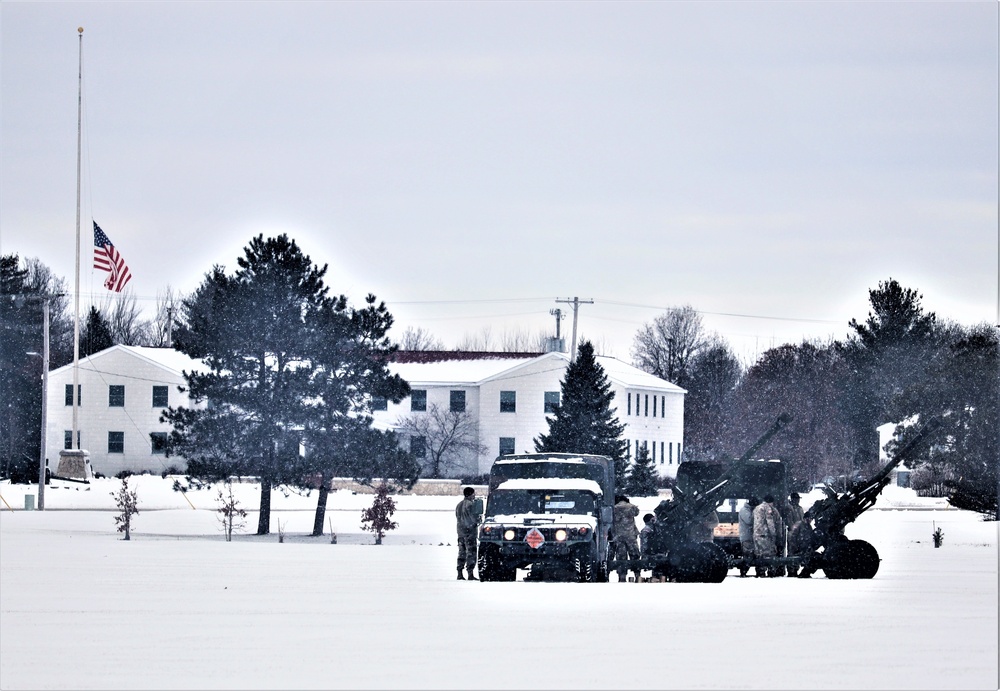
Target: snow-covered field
179, 608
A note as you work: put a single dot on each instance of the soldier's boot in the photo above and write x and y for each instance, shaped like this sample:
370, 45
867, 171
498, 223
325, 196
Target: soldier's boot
460, 576
638, 576
471, 575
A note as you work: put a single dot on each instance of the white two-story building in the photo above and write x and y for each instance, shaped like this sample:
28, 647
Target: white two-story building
121, 393
509, 397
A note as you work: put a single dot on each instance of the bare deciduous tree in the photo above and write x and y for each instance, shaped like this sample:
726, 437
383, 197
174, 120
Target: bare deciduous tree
167, 311
419, 339
451, 440
510, 340
125, 319
666, 346
482, 341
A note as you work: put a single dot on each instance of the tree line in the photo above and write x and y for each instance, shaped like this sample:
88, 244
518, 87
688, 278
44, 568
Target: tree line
900, 365
270, 332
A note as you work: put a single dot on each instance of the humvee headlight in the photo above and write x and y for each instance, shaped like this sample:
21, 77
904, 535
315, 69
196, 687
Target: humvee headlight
560, 535
508, 534
583, 530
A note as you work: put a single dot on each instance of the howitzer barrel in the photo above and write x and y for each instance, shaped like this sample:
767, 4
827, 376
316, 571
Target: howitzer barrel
782, 420
907, 450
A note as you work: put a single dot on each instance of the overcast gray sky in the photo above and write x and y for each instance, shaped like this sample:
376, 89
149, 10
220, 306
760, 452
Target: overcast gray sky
471, 162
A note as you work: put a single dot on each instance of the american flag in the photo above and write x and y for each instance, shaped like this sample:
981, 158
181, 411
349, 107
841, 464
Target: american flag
107, 258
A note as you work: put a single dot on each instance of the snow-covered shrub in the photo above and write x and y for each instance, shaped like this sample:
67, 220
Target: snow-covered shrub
128, 502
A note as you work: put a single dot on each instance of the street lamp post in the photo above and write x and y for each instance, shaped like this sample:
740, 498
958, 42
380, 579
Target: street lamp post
45, 404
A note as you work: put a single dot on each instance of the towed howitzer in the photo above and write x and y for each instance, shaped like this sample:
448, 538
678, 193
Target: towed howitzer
673, 554
827, 518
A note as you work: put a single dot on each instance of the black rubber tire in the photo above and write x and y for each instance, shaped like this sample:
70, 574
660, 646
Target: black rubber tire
854, 559
490, 564
718, 562
688, 564
585, 565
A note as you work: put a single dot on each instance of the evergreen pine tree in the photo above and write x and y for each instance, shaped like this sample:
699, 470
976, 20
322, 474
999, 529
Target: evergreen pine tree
584, 421
642, 477
96, 334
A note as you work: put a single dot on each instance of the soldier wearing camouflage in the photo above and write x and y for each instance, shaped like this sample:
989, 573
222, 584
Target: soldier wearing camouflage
625, 535
467, 519
767, 530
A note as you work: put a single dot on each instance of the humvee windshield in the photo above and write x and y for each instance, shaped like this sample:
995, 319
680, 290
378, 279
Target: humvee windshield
506, 502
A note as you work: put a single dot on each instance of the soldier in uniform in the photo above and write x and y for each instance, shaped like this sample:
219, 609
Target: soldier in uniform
468, 521
768, 529
746, 534
626, 535
647, 530
793, 518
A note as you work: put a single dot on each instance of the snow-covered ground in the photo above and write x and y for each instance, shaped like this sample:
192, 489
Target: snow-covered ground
179, 608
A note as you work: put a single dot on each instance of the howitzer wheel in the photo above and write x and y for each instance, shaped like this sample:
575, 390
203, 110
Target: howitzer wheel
703, 562
850, 559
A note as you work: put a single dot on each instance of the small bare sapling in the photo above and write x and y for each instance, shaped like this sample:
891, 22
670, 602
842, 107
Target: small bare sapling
231, 514
937, 536
127, 501
378, 518
281, 531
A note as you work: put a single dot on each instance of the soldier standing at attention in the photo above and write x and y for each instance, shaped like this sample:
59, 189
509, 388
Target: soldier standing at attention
626, 535
468, 520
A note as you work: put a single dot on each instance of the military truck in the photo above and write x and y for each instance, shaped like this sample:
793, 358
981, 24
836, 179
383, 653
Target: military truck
549, 513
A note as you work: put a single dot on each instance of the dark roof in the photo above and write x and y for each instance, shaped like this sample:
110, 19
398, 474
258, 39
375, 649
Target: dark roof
425, 356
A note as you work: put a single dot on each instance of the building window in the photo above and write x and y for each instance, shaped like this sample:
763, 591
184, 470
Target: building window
628, 448
161, 396
663, 406
159, 441
647, 405
418, 400
69, 394
116, 442
508, 401
68, 439
654, 443
671, 453
629, 404
418, 447
380, 403
654, 406
457, 401
116, 395
506, 445
551, 401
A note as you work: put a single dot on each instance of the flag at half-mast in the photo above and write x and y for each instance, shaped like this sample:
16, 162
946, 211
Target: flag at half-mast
107, 258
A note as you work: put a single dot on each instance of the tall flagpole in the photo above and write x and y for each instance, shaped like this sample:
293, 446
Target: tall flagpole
75, 439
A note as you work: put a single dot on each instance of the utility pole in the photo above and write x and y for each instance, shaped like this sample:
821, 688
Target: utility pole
576, 302
45, 407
